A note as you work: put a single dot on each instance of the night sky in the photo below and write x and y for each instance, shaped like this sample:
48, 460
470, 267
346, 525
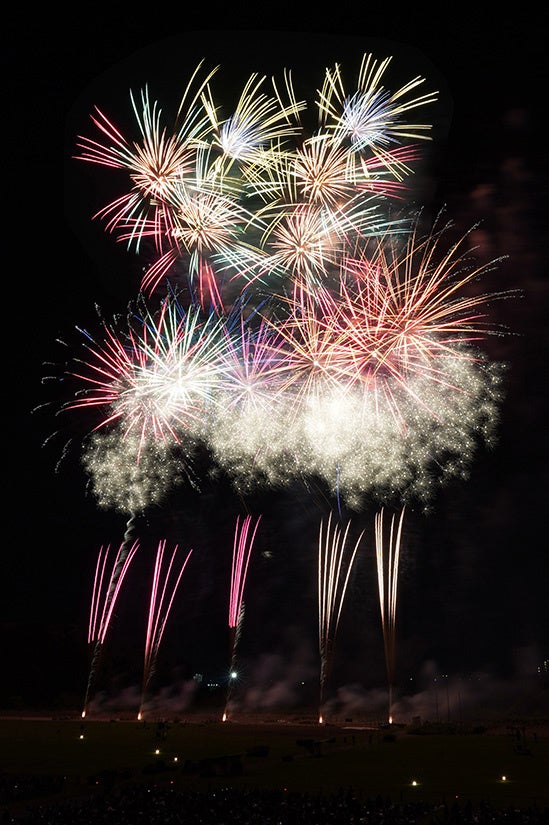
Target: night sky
474, 575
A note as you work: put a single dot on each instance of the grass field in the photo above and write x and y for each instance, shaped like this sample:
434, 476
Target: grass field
296, 754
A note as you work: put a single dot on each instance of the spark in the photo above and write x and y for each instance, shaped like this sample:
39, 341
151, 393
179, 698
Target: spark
129, 474
372, 117
244, 537
208, 234
259, 124
249, 368
165, 583
334, 562
154, 165
159, 379
304, 241
387, 559
329, 174
105, 593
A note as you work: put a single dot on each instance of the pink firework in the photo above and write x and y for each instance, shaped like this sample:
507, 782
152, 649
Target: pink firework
106, 589
158, 380
244, 538
251, 367
305, 354
398, 313
165, 582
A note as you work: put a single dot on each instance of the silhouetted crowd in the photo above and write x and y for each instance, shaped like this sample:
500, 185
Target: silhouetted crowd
155, 805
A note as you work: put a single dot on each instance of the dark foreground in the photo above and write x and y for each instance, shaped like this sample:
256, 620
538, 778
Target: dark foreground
270, 771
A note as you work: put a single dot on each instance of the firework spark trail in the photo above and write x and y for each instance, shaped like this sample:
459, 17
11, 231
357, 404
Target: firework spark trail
104, 597
329, 174
387, 572
163, 593
244, 537
333, 562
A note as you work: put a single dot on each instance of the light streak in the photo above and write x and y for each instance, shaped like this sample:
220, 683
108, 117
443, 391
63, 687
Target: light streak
159, 379
371, 117
106, 589
387, 560
259, 124
154, 164
330, 174
334, 562
244, 537
209, 235
165, 583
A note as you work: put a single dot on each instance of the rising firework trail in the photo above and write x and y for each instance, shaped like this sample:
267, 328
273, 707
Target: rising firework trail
165, 582
106, 589
244, 537
387, 575
334, 568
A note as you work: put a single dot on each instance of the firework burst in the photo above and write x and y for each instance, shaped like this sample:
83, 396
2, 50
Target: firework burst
253, 136
154, 164
159, 378
372, 119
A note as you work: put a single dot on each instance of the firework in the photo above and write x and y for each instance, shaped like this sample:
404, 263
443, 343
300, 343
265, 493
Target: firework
209, 236
244, 538
154, 164
327, 338
371, 118
106, 589
165, 582
253, 136
159, 378
387, 559
129, 475
334, 563
329, 174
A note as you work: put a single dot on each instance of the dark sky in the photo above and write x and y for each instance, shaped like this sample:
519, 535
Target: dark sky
473, 586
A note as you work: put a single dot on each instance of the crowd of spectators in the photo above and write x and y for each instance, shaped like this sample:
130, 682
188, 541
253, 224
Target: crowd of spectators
146, 804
